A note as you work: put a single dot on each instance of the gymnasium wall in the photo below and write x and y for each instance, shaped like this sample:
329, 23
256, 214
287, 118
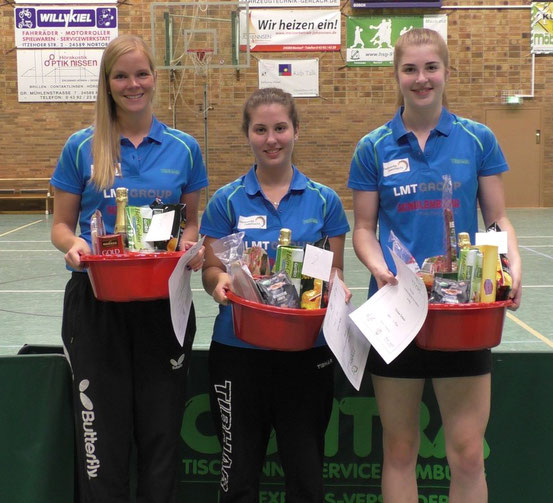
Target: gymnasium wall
490, 53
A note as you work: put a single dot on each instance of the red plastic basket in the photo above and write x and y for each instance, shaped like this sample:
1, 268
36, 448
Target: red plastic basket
272, 327
131, 276
462, 327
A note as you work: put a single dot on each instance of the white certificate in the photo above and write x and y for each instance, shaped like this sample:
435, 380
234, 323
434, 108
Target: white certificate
343, 337
180, 293
393, 316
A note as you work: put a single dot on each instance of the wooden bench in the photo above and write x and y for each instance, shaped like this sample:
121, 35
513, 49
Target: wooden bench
27, 189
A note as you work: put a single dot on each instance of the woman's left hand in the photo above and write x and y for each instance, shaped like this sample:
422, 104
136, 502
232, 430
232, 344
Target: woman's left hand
197, 260
515, 295
342, 285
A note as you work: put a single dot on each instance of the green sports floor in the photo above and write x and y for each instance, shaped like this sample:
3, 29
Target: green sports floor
33, 277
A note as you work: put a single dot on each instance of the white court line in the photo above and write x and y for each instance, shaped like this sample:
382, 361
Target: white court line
29, 251
528, 248
530, 330
19, 228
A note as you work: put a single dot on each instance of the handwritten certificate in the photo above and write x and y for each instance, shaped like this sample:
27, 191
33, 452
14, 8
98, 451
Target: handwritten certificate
343, 337
393, 316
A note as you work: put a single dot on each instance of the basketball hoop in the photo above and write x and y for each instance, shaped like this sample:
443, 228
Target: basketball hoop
201, 59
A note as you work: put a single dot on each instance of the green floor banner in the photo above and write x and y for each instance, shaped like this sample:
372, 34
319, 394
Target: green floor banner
36, 437
36, 430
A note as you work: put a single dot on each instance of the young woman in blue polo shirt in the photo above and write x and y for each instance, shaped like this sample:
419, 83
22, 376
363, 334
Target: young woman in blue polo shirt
125, 386
396, 175
253, 390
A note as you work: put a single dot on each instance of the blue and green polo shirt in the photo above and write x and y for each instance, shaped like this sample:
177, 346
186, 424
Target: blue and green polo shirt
311, 210
409, 181
167, 164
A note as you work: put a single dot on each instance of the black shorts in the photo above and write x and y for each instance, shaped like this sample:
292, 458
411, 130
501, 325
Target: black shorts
417, 363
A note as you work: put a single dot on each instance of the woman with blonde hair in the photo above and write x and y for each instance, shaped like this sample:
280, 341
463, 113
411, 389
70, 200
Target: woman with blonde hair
126, 385
423, 142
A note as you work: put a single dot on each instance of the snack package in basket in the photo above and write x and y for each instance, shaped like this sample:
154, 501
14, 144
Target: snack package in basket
138, 223
243, 284
257, 260
449, 291
179, 223
230, 251
278, 290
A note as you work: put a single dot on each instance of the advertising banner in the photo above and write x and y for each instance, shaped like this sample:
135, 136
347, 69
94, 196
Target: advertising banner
517, 447
517, 443
279, 30
370, 39
293, 3
299, 77
542, 28
64, 27
58, 75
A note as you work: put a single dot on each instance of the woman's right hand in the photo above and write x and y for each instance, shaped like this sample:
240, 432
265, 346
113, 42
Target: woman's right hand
219, 293
384, 277
73, 255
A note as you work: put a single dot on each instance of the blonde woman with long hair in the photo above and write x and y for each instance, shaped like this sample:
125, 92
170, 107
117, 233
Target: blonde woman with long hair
125, 387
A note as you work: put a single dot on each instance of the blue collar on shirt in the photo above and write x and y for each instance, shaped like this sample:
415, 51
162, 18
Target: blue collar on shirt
155, 133
443, 127
298, 183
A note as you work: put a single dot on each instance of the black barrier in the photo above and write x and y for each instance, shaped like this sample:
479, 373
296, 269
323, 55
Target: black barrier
36, 439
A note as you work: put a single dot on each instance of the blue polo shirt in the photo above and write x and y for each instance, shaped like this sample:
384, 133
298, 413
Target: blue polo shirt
167, 164
409, 181
309, 209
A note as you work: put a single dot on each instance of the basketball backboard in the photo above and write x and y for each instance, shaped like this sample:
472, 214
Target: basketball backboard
181, 29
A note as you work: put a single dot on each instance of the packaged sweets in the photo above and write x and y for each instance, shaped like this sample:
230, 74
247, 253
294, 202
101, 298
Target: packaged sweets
110, 244
430, 267
278, 290
313, 299
449, 291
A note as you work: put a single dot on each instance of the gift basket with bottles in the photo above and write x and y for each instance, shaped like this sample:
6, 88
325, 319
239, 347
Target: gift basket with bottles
274, 309
127, 266
468, 290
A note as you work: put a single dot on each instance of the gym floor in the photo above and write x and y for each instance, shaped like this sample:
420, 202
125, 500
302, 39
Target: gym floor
33, 277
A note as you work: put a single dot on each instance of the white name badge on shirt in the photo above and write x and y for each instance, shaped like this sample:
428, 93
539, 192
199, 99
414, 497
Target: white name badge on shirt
252, 222
396, 166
